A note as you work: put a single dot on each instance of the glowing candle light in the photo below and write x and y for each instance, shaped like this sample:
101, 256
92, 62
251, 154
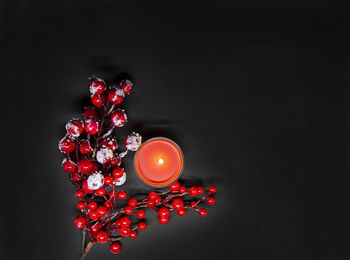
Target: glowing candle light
159, 161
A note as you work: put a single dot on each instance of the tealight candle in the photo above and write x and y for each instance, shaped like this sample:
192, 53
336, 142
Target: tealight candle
159, 161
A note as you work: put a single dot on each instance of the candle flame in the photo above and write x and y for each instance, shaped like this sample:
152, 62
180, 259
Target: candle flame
160, 161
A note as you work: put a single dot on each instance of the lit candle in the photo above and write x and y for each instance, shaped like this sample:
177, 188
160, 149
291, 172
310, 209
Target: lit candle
159, 161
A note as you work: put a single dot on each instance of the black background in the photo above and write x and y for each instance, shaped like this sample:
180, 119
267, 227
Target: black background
255, 93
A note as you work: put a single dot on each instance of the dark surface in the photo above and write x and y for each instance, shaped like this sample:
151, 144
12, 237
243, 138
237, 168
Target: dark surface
254, 93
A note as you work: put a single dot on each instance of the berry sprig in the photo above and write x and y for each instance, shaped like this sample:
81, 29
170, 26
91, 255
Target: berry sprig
93, 166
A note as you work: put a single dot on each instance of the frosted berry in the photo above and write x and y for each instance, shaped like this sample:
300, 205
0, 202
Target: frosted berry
118, 172
90, 113
75, 127
98, 100
182, 189
125, 231
132, 202
93, 215
102, 236
101, 192
200, 190
86, 188
120, 181
133, 142
193, 191
133, 234
178, 204
79, 194
116, 160
109, 180
163, 212
202, 212
85, 166
68, 165
110, 143
116, 95
84, 147
163, 221
101, 211
81, 205
141, 214
66, 145
104, 155
142, 226
181, 212
175, 186
115, 247
126, 85
79, 222
118, 118
212, 189
128, 210
122, 195
210, 200
152, 195
92, 127
97, 86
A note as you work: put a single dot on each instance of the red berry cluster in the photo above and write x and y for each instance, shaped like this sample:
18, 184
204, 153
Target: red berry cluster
93, 166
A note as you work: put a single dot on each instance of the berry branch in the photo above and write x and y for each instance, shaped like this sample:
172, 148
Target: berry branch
93, 166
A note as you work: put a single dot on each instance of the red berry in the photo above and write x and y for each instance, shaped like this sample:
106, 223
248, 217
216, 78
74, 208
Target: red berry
164, 212
150, 203
101, 211
92, 205
116, 95
182, 189
92, 127
109, 180
128, 210
194, 204
158, 199
75, 127
113, 194
178, 204
109, 143
79, 194
118, 118
175, 186
122, 195
202, 212
141, 214
81, 205
118, 172
193, 191
116, 160
68, 165
124, 221
90, 113
181, 212
124, 231
115, 247
108, 204
79, 222
98, 100
95, 228
152, 195
93, 215
163, 221
142, 225
85, 166
126, 85
66, 145
94, 167
132, 202
101, 192
84, 147
117, 224
76, 177
210, 200
85, 187
212, 189
200, 190
97, 86
102, 236
133, 234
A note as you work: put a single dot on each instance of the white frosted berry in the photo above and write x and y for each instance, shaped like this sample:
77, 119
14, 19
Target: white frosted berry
120, 181
133, 141
95, 181
104, 155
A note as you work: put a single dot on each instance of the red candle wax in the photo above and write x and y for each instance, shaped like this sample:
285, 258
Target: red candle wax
159, 162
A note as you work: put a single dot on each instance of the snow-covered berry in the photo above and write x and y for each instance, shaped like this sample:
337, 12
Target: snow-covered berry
118, 118
92, 127
84, 147
133, 141
104, 155
90, 113
97, 86
110, 143
116, 95
120, 181
98, 100
95, 181
66, 145
75, 127
68, 165
126, 86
